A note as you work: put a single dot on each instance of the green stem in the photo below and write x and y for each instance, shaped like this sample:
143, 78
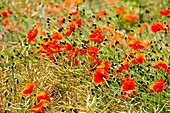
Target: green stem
13, 79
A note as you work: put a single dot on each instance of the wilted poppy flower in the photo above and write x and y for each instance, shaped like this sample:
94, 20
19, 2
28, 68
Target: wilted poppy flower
1, 108
140, 58
14, 27
130, 36
75, 12
6, 21
101, 14
99, 76
81, 51
32, 34
144, 25
27, 9
128, 85
2, 45
157, 86
94, 62
147, 44
71, 54
43, 97
38, 108
124, 66
96, 36
108, 27
105, 65
129, 56
112, 2
136, 44
140, 30
28, 88
130, 17
125, 95
165, 12
71, 2
120, 10
155, 27
161, 64
38, 24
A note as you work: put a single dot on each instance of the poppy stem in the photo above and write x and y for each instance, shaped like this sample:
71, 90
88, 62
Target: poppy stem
13, 78
106, 82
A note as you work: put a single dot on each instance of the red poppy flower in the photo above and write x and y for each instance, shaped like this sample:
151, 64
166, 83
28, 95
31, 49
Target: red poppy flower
157, 86
140, 58
4, 13
168, 71
168, 29
9, 11
79, 21
96, 36
99, 76
60, 21
165, 12
155, 27
32, 34
136, 44
56, 36
161, 64
120, 10
54, 47
72, 26
124, 66
128, 85
28, 88
76, 61
92, 51
68, 32
68, 47
71, 54
43, 97
81, 51
38, 108
130, 18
